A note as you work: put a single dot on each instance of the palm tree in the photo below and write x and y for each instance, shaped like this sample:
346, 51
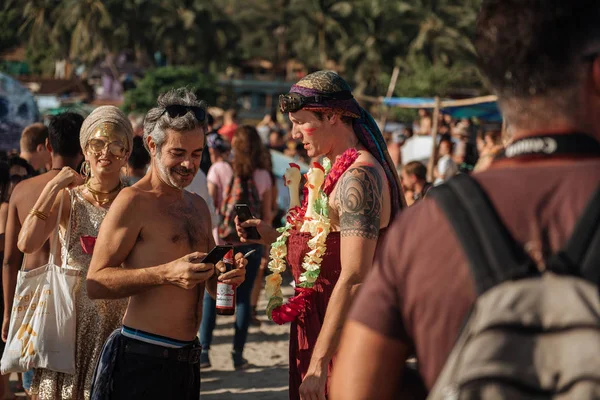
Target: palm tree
192, 31
318, 24
444, 30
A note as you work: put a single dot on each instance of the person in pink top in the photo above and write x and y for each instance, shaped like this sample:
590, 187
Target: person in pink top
247, 164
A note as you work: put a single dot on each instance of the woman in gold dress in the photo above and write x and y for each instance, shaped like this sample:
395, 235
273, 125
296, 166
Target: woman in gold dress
106, 140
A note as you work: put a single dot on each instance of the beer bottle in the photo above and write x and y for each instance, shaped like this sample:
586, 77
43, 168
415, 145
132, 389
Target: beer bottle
226, 291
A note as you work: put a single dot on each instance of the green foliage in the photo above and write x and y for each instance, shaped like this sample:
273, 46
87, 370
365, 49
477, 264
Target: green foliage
419, 78
160, 80
10, 20
362, 39
41, 59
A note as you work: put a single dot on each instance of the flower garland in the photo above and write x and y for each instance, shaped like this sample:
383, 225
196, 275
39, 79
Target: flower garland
318, 225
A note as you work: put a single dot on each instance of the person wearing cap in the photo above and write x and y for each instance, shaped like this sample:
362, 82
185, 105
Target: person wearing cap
363, 200
150, 249
106, 139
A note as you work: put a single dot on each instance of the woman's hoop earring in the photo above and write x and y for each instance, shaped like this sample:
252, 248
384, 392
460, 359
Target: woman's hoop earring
85, 170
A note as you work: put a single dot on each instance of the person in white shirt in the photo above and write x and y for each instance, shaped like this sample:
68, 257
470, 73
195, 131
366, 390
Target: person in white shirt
200, 186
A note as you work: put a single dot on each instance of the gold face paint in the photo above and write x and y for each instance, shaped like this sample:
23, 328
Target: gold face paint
111, 132
108, 135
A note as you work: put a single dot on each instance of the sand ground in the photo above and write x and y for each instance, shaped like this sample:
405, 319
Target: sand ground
267, 352
266, 349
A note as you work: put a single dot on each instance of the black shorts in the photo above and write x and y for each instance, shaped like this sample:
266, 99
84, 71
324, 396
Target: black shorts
131, 369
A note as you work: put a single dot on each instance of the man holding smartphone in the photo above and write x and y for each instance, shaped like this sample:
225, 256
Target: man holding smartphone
329, 121
150, 248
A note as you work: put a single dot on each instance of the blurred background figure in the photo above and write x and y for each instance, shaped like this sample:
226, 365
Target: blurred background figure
230, 124
446, 168
211, 133
33, 147
414, 180
138, 162
19, 170
489, 145
248, 168
5, 189
277, 141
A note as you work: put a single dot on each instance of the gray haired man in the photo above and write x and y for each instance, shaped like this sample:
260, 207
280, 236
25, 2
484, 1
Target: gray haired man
149, 249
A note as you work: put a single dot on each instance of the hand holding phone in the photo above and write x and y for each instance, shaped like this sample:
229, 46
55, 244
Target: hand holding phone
244, 214
215, 255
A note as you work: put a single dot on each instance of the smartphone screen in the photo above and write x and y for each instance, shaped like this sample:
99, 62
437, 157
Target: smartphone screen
244, 214
216, 254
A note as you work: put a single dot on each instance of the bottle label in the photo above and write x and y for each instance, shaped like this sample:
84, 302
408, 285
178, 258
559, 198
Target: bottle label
225, 296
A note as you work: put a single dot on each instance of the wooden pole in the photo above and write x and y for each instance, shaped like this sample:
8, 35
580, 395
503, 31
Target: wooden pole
390, 93
434, 133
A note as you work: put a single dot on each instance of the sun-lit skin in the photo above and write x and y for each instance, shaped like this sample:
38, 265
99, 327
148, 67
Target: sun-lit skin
177, 165
313, 133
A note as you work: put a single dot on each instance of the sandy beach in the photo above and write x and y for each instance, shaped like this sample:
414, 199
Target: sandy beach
267, 352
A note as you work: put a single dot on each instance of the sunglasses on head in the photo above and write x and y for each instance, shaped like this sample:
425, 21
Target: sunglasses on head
177, 110
293, 102
115, 148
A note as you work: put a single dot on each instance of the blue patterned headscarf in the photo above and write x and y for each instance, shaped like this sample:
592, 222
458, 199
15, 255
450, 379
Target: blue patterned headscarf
365, 128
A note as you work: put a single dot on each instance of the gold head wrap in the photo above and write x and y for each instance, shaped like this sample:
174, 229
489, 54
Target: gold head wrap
109, 121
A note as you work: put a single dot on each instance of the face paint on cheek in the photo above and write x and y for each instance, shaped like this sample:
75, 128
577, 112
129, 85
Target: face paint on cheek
310, 131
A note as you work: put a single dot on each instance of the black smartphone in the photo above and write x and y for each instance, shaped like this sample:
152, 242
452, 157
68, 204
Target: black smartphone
244, 214
216, 254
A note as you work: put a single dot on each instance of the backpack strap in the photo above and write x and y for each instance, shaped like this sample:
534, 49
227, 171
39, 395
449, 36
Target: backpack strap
581, 254
494, 256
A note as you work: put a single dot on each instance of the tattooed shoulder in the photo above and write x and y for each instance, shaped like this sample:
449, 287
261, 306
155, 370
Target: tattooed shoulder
359, 201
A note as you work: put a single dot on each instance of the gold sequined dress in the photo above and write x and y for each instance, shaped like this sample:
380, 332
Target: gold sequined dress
96, 319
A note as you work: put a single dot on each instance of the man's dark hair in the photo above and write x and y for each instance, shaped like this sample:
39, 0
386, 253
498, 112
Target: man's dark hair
4, 181
417, 169
16, 161
63, 134
535, 47
139, 157
32, 136
446, 138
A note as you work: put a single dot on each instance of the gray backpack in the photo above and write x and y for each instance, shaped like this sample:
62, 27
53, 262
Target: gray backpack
534, 331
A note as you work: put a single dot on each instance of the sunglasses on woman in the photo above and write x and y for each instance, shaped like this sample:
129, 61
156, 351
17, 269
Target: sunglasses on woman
115, 148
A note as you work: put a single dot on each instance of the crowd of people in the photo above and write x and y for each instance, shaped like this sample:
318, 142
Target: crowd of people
406, 281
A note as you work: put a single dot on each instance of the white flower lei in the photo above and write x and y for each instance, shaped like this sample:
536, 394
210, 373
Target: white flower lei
319, 227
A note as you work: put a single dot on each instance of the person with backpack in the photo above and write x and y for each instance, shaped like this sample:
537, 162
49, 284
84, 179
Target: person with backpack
245, 180
492, 281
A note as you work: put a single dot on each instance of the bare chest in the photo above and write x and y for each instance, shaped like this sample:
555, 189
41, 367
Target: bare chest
177, 226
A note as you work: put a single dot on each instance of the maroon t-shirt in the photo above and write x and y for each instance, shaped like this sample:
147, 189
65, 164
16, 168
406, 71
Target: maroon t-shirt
421, 289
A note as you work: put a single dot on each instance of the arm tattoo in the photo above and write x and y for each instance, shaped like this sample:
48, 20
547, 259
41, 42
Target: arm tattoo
359, 201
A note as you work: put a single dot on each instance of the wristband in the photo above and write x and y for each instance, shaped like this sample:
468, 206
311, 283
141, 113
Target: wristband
39, 214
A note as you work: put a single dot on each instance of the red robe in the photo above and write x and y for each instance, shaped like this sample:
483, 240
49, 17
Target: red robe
306, 328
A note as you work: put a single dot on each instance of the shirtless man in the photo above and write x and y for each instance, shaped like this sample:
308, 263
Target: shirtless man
367, 196
34, 147
63, 146
149, 249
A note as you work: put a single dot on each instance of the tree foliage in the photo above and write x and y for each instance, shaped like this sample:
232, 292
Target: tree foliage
430, 40
160, 80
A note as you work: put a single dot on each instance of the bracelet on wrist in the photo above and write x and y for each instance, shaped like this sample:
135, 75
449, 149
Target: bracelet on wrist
37, 213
